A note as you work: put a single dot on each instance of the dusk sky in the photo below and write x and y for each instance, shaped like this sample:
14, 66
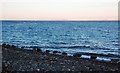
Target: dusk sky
59, 9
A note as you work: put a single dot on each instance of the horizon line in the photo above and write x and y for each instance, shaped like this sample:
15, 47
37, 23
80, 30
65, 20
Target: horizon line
51, 20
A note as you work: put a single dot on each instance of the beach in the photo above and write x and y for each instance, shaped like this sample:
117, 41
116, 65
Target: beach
20, 59
51, 36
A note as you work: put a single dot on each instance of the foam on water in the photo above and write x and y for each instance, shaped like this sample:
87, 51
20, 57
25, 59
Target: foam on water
85, 56
103, 59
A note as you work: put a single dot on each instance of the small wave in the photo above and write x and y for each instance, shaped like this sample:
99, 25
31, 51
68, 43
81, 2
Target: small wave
76, 47
99, 55
65, 47
58, 43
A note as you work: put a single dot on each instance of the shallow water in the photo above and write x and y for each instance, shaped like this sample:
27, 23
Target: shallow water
78, 36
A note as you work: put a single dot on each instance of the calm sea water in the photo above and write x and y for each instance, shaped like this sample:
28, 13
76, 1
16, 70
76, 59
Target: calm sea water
78, 36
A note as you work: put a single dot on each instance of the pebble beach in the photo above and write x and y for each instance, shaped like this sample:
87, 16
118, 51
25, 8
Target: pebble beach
22, 60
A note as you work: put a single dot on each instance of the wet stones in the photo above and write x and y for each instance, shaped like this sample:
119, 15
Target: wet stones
114, 60
36, 49
39, 50
47, 51
77, 55
118, 62
3, 45
42, 62
5, 69
8, 46
13, 46
93, 57
64, 53
22, 47
54, 52
36, 59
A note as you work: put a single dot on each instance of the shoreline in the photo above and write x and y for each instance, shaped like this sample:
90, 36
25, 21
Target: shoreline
20, 59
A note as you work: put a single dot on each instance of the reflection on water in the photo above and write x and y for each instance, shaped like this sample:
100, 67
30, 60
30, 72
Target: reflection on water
87, 36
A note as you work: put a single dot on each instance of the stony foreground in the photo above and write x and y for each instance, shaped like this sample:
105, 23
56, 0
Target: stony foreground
18, 59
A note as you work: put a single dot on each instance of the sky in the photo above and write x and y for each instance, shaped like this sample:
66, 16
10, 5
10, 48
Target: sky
59, 9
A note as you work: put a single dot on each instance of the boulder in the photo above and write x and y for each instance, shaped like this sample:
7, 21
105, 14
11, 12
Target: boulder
4, 45
64, 53
47, 51
77, 55
36, 49
54, 52
114, 60
93, 57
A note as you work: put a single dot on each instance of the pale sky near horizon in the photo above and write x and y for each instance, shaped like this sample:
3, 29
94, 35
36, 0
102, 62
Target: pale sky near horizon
59, 9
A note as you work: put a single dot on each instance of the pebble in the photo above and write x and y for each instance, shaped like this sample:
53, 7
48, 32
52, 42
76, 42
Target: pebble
73, 67
68, 69
6, 65
61, 63
90, 69
76, 61
4, 61
64, 66
38, 69
87, 68
55, 63
30, 62
112, 70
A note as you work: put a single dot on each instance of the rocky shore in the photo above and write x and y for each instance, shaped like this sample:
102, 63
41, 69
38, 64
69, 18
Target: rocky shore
21, 60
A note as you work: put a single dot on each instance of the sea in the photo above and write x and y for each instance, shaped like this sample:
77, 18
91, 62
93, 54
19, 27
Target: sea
100, 37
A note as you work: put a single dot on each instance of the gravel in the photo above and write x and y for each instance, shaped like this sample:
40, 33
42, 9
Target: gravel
24, 60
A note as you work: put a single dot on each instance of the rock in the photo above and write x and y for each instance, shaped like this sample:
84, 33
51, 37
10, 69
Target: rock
68, 69
59, 52
7, 46
39, 50
22, 47
3, 61
19, 60
8, 63
73, 67
36, 59
114, 60
34, 49
64, 53
76, 55
90, 70
47, 51
87, 68
118, 62
38, 69
93, 57
13, 46
61, 63
55, 52
64, 66
3, 45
